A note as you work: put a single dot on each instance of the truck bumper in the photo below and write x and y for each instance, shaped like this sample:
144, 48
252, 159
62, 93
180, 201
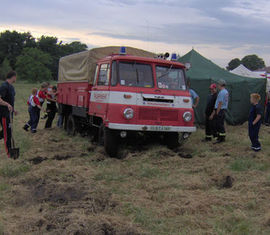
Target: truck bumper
133, 127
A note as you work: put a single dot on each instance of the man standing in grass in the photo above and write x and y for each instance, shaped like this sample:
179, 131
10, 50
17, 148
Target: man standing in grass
194, 96
7, 96
210, 124
221, 106
254, 121
267, 113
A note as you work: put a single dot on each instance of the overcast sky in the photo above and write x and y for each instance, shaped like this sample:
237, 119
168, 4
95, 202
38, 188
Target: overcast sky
220, 30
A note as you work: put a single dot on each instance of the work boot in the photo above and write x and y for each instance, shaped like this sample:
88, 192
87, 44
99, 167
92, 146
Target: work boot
220, 140
33, 131
207, 139
25, 127
256, 149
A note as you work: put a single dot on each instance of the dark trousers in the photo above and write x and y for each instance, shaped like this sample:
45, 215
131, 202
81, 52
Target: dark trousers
34, 113
210, 128
38, 114
267, 113
253, 132
220, 118
51, 116
6, 132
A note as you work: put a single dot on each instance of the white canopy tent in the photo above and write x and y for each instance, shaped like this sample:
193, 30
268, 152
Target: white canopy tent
243, 71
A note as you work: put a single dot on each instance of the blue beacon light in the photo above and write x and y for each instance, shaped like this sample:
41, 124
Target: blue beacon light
174, 57
122, 50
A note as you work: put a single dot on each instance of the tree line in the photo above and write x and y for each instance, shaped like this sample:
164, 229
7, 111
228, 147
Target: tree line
252, 62
34, 59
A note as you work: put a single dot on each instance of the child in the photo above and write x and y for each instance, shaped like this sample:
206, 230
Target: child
42, 95
254, 121
51, 106
34, 108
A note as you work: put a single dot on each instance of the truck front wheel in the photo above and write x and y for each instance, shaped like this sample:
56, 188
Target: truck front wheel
111, 142
172, 140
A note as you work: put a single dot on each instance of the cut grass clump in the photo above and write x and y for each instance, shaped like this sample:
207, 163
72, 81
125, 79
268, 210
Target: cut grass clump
234, 224
244, 164
142, 216
3, 187
147, 172
1, 229
110, 176
10, 170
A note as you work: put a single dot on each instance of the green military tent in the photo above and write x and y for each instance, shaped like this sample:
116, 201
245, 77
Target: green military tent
203, 72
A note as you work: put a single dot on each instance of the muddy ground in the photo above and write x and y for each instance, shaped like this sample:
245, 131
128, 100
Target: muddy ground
68, 185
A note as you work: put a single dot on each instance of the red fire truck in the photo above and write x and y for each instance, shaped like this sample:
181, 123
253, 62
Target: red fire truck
122, 94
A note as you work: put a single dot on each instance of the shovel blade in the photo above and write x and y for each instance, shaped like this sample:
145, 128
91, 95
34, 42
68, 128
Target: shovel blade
15, 153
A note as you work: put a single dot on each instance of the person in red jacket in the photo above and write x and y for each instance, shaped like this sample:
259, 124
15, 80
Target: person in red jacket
42, 95
34, 108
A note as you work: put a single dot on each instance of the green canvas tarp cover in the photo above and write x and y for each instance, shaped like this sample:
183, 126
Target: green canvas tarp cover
203, 72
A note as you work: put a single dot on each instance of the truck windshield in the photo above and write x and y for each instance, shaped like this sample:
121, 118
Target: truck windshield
135, 74
170, 78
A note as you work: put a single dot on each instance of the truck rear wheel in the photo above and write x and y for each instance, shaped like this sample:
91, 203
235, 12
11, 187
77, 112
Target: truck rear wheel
111, 142
71, 125
172, 140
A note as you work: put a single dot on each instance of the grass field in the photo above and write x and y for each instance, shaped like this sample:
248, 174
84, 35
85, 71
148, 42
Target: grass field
66, 185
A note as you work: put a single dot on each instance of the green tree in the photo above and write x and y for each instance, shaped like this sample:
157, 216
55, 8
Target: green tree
12, 44
253, 62
4, 69
73, 47
57, 49
33, 64
50, 45
234, 63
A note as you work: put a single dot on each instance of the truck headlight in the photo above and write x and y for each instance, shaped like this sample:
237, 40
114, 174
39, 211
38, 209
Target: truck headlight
187, 116
128, 113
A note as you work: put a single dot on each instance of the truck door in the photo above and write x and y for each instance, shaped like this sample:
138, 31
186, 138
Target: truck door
100, 91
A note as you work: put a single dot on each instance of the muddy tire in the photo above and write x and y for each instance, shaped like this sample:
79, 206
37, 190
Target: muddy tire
101, 131
111, 142
93, 134
172, 140
71, 125
65, 120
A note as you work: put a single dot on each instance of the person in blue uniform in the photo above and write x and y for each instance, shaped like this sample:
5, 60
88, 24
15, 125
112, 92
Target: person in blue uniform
267, 113
254, 121
221, 106
210, 125
194, 96
7, 97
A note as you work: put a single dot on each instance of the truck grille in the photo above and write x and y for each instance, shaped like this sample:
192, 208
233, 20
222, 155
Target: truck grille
153, 114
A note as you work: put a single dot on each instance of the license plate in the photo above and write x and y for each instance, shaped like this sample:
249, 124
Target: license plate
159, 128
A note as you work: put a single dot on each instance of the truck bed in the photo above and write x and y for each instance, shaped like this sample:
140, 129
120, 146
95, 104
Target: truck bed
74, 93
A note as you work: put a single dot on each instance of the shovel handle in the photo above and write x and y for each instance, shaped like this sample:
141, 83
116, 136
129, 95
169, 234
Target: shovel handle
11, 128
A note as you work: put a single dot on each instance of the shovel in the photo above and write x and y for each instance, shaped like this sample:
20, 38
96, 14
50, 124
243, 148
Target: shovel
14, 152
